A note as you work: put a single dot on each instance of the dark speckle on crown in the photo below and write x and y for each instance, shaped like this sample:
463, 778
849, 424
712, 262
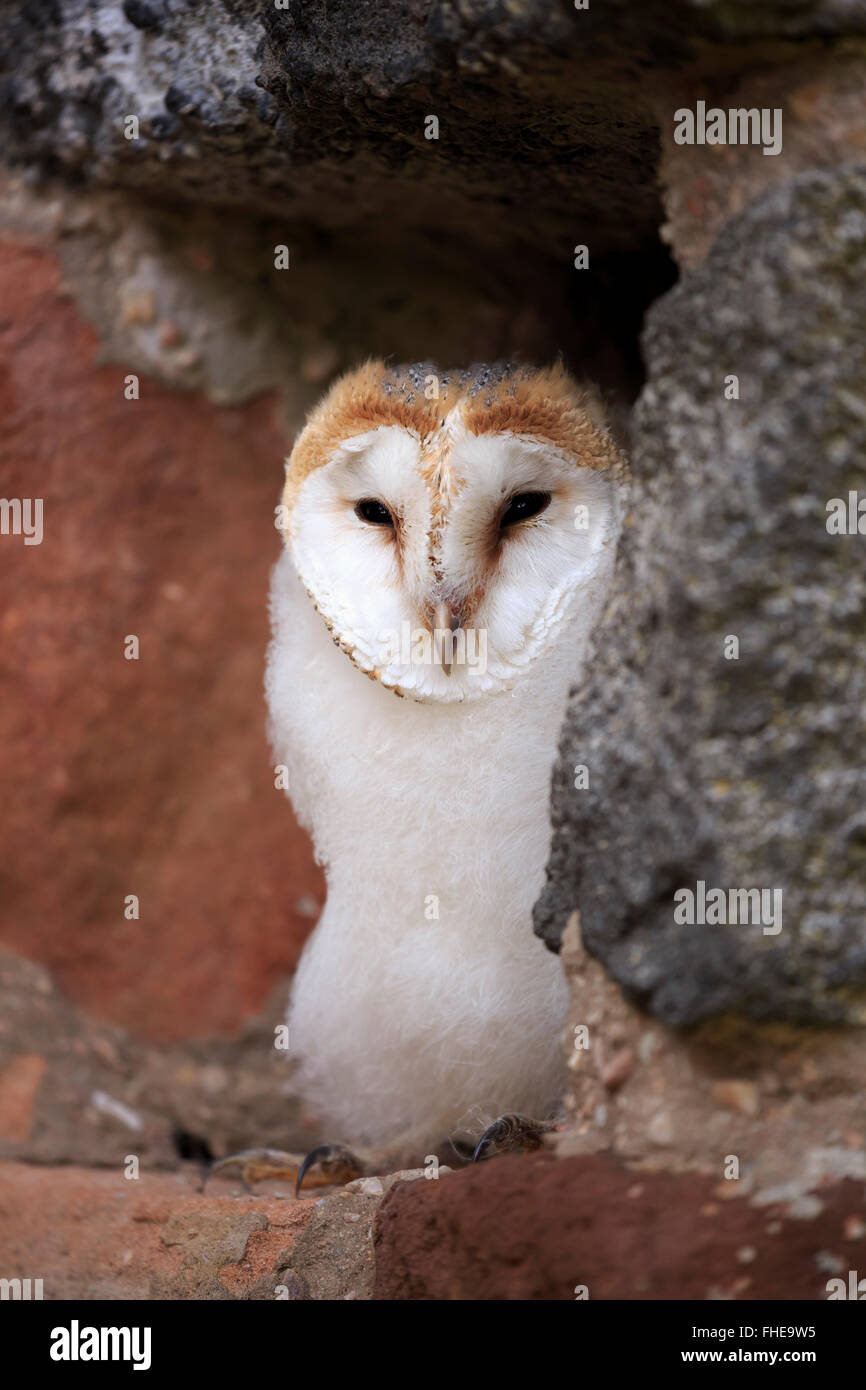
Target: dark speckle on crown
406, 378
483, 374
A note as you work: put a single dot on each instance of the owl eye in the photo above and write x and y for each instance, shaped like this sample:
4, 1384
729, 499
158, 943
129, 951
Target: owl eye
374, 512
524, 505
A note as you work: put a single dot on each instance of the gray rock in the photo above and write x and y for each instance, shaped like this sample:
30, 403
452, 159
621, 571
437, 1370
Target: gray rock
742, 773
333, 1257
547, 113
320, 112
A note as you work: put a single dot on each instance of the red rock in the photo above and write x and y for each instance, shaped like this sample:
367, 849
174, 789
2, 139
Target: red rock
148, 777
91, 1233
536, 1227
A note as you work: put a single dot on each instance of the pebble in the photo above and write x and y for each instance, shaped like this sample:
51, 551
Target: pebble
828, 1263
187, 357
738, 1095
371, 1187
116, 1110
170, 335
618, 1069
660, 1129
138, 306
805, 1208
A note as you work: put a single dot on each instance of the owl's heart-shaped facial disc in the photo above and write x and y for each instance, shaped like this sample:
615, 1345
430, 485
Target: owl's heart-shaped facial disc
446, 525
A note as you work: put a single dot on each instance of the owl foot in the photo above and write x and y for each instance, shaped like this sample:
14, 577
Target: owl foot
336, 1166
330, 1165
264, 1165
257, 1165
512, 1134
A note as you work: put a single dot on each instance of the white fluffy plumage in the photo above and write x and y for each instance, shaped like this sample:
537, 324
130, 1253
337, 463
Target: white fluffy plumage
423, 994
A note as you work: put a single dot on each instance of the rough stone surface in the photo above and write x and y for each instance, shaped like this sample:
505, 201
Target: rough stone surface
741, 773
299, 108
93, 1233
786, 1103
307, 127
242, 104
538, 1228
334, 1257
514, 1228
97, 1235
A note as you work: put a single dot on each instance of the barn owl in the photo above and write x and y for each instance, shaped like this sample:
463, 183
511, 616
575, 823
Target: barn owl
448, 542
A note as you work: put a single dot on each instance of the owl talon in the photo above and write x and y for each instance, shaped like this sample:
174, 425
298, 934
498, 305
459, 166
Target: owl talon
511, 1134
337, 1165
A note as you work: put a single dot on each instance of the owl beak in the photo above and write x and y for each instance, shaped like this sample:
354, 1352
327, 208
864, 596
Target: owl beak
446, 618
